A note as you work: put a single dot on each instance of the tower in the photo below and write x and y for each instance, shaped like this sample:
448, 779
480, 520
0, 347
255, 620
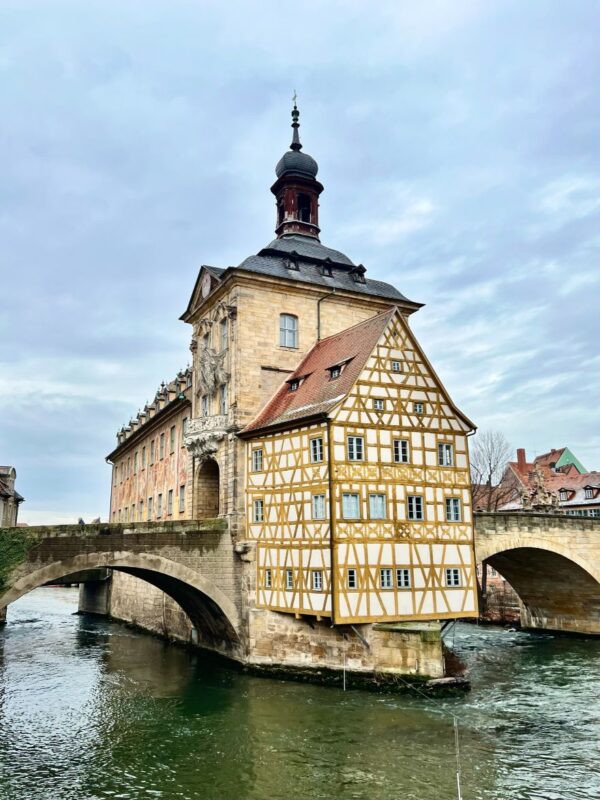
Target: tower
296, 189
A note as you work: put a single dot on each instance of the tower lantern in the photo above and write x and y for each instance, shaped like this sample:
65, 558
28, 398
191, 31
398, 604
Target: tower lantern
296, 189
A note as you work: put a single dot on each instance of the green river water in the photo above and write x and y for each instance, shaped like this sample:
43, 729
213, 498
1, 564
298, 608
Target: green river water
91, 709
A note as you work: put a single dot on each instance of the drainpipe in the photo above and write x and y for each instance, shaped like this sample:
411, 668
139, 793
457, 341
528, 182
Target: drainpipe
332, 568
319, 301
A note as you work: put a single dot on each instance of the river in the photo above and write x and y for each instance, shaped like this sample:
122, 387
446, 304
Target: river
92, 709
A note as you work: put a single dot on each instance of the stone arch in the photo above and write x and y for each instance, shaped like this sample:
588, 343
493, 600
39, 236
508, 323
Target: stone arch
207, 490
558, 589
211, 612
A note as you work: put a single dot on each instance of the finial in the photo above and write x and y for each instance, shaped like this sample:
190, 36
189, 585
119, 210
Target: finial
295, 145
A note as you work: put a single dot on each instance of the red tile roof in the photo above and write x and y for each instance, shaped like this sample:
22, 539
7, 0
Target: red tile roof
317, 393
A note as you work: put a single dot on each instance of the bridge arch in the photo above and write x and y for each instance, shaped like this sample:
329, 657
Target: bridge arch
211, 612
558, 588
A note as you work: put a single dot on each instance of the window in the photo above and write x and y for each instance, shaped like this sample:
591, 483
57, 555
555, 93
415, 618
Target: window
351, 581
316, 449
350, 505
415, 507
288, 330
377, 509
170, 503
143, 457
317, 580
141, 507
401, 451
304, 207
385, 578
223, 399
133, 512
205, 406
150, 504
403, 578
396, 366
258, 511
294, 385
418, 408
453, 577
182, 498
452, 509
135, 460
289, 579
172, 436
161, 447
224, 336
563, 494
378, 404
257, 460
152, 448
184, 426
445, 455
159, 507
589, 493
355, 448
268, 579
125, 514
318, 506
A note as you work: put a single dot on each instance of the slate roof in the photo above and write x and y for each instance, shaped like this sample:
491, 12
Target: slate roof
317, 393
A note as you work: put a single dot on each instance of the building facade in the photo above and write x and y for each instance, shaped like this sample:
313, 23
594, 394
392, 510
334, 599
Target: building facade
318, 428
10, 499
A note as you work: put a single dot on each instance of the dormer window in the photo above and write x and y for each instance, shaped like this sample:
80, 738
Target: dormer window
563, 495
334, 373
589, 492
358, 274
304, 207
294, 384
292, 261
326, 268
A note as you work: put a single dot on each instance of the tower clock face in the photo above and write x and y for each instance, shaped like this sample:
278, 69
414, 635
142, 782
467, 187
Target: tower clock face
205, 285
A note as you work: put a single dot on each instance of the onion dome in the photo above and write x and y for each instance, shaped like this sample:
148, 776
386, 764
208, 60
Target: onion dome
295, 162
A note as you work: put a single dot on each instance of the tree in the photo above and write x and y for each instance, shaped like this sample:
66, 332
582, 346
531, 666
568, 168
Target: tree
490, 454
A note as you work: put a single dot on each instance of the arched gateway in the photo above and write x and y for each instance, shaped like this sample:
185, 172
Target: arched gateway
191, 562
553, 563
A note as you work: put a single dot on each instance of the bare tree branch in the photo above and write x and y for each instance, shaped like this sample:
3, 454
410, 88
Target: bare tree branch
490, 453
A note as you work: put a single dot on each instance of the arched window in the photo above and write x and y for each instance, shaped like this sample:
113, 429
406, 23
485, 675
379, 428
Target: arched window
288, 330
304, 207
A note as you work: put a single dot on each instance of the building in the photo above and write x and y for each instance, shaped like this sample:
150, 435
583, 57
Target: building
10, 499
320, 431
556, 480
150, 462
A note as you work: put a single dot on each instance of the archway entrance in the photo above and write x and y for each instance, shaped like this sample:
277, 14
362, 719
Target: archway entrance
206, 490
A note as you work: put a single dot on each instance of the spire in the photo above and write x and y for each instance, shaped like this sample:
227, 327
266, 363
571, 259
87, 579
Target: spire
295, 145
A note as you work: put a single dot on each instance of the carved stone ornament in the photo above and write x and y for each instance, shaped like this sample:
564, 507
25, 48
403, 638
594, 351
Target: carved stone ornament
537, 498
210, 370
203, 436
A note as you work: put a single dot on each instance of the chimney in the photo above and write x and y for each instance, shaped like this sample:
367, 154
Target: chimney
521, 459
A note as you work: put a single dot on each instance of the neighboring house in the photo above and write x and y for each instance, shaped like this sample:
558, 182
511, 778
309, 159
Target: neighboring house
10, 499
554, 480
318, 429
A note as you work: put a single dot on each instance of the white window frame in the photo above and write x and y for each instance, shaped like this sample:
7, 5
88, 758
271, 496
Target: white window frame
563, 495
316, 579
258, 510
319, 510
257, 459
375, 513
182, 498
403, 578
378, 404
316, 450
402, 450
170, 503
453, 509
346, 499
445, 454
418, 408
289, 579
589, 493
356, 448
351, 578
416, 507
288, 331
268, 578
453, 577
396, 365
386, 578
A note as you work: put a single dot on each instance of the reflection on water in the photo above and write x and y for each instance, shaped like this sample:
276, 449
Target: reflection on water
91, 709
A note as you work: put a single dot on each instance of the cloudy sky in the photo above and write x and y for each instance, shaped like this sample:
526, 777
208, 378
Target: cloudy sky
459, 147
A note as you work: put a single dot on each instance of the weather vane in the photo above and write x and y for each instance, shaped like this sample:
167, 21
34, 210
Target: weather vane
295, 97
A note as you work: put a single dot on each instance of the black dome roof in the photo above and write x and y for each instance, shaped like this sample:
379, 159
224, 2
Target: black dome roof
298, 163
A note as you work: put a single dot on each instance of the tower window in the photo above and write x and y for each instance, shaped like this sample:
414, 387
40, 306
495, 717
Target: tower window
280, 212
288, 330
304, 208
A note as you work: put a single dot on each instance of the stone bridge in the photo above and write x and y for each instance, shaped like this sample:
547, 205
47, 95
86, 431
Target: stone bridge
553, 563
192, 562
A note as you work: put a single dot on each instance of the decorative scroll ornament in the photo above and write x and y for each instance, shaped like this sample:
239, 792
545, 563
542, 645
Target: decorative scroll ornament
536, 497
203, 436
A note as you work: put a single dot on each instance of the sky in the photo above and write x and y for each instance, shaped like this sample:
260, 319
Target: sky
458, 143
